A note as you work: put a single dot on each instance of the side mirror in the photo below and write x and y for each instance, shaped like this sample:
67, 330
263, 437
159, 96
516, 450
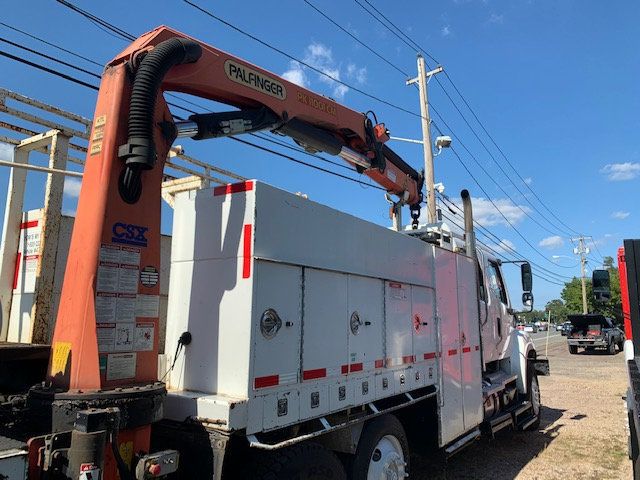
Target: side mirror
601, 286
527, 301
527, 279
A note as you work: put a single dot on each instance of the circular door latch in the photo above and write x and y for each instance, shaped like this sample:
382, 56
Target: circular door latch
355, 323
270, 323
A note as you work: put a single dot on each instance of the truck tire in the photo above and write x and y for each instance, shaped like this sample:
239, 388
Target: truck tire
304, 461
383, 450
611, 348
533, 396
634, 450
573, 349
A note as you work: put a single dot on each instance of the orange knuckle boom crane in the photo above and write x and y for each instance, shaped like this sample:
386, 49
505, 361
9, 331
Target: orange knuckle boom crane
293, 351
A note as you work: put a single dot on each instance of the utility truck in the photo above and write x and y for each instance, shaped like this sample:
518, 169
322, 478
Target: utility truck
301, 342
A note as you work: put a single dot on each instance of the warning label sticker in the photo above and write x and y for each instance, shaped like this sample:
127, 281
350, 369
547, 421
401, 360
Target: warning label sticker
149, 276
106, 307
128, 279
121, 366
130, 256
147, 306
124, 337
143, 341
125, 308
107, 277
106, 337
109, 253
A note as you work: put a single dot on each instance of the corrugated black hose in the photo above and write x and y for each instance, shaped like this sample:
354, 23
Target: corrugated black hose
139, 152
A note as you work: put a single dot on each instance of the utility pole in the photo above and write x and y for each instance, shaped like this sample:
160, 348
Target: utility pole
583, 251
422, 79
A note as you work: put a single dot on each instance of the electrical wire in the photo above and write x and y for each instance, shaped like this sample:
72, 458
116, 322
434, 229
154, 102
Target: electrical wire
414, 45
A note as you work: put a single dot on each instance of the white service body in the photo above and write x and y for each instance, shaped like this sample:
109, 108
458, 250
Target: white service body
364, 313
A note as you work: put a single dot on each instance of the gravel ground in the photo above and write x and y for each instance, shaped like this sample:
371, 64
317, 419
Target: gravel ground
582, 434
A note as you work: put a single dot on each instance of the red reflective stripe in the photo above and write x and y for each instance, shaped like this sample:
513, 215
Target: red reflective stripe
16, 271
233, 188
379, 363
246, 253
317, 373
268, 381
453, 351
32, 223
428, 356
408, 359
466, 349
354, 367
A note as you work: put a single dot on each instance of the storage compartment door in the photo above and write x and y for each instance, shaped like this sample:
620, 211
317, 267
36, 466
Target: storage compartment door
451, 416
277, 335
325, 324
469, 343
366, 323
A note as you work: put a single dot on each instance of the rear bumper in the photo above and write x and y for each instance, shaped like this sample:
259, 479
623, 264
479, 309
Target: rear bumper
579, 342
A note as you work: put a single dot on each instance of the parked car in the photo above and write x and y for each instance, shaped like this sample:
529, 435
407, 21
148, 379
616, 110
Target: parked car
594, 331
566, 328
531, 328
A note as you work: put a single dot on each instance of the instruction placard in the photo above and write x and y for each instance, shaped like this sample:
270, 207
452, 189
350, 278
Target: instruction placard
121, 366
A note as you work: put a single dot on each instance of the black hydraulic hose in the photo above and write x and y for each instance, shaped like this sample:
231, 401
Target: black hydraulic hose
139, 152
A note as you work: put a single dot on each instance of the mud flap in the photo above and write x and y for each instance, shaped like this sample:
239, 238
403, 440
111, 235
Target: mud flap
541, 366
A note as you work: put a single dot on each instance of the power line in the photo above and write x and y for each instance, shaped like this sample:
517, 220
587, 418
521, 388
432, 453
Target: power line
493, 203
414, 45
493, 237
58, 47
260, 147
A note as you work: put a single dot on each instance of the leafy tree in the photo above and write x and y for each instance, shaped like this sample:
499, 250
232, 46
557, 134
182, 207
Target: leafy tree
558, 309
572, 294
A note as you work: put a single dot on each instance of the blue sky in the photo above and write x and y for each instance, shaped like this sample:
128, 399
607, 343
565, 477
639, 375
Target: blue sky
554, 82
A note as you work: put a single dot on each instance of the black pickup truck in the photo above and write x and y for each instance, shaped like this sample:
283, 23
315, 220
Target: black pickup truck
594, 331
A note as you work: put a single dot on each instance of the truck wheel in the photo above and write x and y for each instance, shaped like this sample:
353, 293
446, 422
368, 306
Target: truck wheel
306, 461
533, 396
611, 349
573, 349
383, 451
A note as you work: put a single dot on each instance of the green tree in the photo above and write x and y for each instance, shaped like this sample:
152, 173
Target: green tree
572, 294
558, 309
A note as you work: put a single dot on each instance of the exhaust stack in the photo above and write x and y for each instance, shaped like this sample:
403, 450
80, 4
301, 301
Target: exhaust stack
469, 234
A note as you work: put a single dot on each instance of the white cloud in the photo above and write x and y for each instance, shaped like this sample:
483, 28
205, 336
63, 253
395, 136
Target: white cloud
6, 152
72, 187
487, 215
357, 74
528, 180
320, 56
617, 172
620, 215
495, 18
445, 31
555, 241
296, 74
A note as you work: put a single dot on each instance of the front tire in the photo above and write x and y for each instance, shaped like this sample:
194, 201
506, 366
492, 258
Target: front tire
533, 396
573, 349
383, 451
304, 461
611, 349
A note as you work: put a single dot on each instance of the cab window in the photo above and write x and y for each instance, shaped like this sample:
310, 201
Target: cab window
496, 285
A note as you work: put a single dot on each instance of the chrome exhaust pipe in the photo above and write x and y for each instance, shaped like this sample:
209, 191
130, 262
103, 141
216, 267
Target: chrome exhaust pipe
469, 234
